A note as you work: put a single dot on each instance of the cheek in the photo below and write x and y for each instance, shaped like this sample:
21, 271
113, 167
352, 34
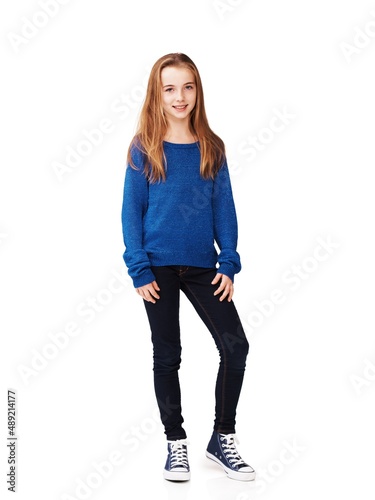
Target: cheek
165, 99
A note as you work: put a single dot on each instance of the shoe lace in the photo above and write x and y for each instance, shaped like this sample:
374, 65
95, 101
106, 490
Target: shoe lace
179, 453
230, 450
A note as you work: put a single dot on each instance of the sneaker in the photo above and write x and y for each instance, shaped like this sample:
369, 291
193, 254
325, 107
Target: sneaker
177, 465
222, 450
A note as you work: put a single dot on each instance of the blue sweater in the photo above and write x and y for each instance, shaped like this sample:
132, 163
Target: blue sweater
175, 222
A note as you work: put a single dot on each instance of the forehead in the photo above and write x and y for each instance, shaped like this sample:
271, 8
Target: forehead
173, 75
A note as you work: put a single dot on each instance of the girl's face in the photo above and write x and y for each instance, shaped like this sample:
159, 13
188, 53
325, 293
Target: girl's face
179, 93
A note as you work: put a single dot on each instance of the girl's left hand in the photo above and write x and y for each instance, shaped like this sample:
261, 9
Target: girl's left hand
226, 286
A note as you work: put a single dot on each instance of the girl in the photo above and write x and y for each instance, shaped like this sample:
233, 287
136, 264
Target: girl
177, 202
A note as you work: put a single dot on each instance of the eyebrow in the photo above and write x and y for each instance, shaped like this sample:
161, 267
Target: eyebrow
170, 85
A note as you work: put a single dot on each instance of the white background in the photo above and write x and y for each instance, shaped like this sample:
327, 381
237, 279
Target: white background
311, 367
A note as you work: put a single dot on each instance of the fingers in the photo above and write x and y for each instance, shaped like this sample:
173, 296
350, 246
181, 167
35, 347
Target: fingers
226, 287
149, 292
147, 295
227, 292
216, 279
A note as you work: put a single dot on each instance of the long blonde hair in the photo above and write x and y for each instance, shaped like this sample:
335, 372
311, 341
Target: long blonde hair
152, 125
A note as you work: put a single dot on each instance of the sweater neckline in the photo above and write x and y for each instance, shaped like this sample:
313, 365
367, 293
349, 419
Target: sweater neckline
181, 144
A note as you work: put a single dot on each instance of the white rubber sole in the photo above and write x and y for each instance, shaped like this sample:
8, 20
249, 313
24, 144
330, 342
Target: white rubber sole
176, 476
239, 476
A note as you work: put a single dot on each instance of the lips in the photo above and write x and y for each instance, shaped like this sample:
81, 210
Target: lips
180, 108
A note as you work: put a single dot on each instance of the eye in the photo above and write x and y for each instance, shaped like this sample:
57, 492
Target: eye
189, 87
167, 90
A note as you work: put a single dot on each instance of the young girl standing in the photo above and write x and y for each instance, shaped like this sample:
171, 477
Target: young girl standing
177, 202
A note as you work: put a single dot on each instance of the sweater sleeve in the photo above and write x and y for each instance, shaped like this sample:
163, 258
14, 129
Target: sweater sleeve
225, 224
134, 207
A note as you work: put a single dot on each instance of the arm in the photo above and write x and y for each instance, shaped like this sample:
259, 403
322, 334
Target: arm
134, 206
225, 224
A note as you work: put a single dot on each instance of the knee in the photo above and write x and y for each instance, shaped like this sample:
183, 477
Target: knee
242, 351
235, 350
167, 360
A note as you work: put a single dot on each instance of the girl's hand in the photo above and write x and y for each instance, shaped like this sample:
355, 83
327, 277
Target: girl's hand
226, 286
148, 292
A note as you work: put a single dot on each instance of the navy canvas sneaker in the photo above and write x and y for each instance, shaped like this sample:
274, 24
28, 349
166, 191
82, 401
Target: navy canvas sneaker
177, 465
222, 450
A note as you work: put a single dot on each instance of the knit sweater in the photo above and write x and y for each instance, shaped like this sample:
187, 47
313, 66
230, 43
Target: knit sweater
178, 221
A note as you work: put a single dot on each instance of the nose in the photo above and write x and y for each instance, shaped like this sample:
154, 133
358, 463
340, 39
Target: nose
179, 96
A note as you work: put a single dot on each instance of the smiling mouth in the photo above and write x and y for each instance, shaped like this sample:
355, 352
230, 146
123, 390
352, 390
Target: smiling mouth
180, 107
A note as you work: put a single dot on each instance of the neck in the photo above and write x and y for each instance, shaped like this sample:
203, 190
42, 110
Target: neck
179, 131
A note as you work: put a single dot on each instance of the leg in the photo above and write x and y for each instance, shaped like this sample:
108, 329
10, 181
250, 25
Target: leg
222, 320
165, 334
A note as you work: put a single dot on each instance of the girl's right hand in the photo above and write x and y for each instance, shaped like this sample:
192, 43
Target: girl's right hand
148, 292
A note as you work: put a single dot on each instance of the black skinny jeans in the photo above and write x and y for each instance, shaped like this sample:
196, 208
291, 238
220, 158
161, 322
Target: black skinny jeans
222, 320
